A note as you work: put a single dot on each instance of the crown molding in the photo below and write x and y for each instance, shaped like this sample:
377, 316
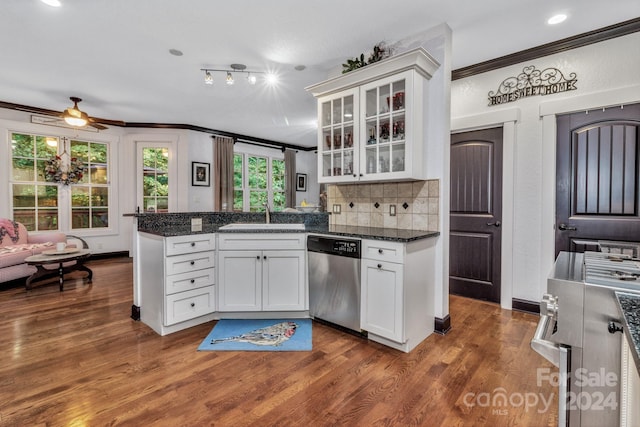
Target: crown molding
119, 123
580, 40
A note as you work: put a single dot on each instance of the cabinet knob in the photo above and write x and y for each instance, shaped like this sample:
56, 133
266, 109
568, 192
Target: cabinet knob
265, 257
354, 175
193, 304
193, 280
193, 244
192, 262
258, 257
361, 174
379, 265
380, 251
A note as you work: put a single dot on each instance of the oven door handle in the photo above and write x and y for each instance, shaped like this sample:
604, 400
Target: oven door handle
545, 348
559, 356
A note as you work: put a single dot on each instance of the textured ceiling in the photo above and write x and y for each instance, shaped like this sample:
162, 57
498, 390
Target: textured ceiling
115, 53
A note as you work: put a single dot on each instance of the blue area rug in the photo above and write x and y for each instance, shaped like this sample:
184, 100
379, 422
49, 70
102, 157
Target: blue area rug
259, 335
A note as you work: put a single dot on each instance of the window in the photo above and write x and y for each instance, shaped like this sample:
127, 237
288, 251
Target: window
155, 179
37, 202
90, 197
258, 180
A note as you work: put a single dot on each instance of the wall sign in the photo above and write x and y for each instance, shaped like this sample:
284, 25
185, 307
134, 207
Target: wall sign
532, 82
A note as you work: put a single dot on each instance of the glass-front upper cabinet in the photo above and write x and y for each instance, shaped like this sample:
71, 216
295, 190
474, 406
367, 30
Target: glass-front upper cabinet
374, 121
385, 125
336, 147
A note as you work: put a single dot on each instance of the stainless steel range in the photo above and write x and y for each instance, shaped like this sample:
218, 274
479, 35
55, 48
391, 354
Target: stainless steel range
579, 330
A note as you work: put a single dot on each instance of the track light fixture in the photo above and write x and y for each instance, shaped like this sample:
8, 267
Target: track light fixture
235, 68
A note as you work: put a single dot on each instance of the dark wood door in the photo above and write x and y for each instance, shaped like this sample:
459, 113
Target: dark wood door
597, 178
476, 214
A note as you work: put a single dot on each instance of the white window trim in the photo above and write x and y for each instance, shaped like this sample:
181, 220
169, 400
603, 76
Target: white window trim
251, 150
173, 172
64, 195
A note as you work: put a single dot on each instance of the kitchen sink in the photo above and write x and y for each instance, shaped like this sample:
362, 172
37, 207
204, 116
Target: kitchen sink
261, 226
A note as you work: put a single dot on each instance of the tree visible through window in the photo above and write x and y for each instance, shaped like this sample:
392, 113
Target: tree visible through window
258, 180
155, 180
35, 202
90, 197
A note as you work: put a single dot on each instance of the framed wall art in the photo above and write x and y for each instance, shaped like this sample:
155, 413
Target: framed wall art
200, 174
301, 182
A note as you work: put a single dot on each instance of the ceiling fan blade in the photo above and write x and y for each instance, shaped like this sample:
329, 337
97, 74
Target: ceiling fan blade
97, 125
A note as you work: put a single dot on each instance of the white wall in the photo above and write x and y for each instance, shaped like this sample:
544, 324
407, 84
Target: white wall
607, 74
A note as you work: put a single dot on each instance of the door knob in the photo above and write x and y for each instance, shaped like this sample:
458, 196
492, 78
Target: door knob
565, 227
495, 224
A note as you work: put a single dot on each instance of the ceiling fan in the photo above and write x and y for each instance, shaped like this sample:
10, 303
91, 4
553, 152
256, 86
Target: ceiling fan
74, 117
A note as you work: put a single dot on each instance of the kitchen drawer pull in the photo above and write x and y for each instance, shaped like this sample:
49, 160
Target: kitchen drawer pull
258, 257
379, 266
193, 280
192, 262
380, 251
193, 304
193, 244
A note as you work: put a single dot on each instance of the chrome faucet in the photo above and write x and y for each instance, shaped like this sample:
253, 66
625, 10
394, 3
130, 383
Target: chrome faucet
268, 215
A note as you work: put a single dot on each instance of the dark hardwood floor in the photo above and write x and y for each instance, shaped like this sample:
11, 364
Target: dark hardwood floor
76, 358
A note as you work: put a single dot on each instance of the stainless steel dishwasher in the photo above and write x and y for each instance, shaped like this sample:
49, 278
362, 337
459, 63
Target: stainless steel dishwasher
334, 281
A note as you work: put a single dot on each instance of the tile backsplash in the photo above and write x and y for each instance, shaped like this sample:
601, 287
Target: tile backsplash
416, 205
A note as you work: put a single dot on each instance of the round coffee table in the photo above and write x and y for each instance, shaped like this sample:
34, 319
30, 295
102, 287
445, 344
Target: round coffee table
40, 260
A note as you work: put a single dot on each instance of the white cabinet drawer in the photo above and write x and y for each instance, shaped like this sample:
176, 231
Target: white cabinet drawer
261, 241
177, 245
189, 305
190, 280
382, 250
190, 262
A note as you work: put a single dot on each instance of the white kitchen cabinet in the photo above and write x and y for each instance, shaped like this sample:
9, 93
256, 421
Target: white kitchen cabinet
373, 121
629, 388
177, 281
398, 285
338, 146
382, 294
270, 279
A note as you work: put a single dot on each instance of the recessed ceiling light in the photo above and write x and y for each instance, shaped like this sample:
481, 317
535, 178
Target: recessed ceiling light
54, 3
556, 19
175, 52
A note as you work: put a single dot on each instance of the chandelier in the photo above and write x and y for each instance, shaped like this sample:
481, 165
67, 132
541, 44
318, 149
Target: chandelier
64, 169
237, 69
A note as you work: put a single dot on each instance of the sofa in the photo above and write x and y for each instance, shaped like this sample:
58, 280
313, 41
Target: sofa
16, 244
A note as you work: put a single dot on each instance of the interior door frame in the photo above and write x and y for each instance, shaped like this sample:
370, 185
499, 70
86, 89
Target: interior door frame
548, 112
506, 118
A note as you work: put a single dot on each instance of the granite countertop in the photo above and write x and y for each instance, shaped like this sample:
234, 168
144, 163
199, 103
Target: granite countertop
629, 305
389, 234
179, 224
376, 233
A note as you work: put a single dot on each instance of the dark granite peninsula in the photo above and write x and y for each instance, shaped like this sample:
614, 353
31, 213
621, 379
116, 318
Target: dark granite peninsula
178, 224
191, 268
629, 305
